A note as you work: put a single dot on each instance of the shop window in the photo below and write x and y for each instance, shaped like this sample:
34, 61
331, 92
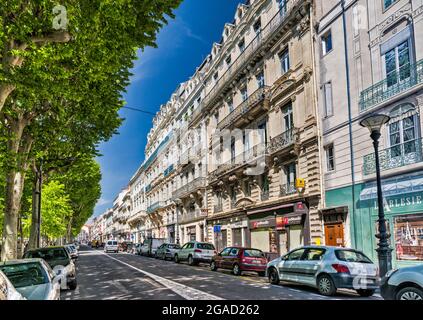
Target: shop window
409, 237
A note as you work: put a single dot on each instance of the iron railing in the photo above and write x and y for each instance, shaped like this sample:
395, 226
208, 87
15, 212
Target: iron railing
189, 188
251, 50
192, 215
265, 195
218, 208
168, 171
246, 106
287, 189
155, 206
395, 157
283, 140
397, 82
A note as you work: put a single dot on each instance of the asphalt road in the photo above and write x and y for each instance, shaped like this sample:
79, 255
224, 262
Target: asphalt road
129, 277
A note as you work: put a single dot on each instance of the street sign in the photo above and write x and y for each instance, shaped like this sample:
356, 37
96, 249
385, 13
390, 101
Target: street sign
299, 183
217, 228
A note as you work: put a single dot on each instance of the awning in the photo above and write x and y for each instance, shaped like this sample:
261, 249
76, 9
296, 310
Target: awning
393, 187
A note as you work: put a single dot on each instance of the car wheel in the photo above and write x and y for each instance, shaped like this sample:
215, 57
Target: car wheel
409, 293
262, 274
273, 276
236, 270
191, 261
176, 258
213, 266
366, 292
325, 285
73, 285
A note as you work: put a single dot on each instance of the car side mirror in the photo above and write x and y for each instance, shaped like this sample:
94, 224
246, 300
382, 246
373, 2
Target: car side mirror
74, 258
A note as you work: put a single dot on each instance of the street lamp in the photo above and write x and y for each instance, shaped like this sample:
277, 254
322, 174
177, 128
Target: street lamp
374, 123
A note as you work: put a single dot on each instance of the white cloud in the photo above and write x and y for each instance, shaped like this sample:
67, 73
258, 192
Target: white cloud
102, 202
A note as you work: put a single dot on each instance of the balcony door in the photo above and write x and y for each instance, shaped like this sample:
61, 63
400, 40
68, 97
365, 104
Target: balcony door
288, 118
397, 64
283, 7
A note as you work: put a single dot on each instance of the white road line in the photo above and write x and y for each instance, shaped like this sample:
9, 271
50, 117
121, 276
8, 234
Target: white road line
180, 289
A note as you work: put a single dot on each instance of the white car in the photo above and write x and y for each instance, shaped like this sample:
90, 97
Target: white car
111, 246
7, 290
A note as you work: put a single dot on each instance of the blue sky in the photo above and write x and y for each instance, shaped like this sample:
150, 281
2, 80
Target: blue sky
182, 46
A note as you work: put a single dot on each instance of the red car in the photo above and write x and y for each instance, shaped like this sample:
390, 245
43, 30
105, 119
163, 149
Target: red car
239, 260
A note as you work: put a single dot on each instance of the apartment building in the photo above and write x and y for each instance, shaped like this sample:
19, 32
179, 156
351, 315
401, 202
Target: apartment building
369, 60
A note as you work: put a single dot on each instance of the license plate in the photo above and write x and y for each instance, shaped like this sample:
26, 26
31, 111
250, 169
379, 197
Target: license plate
367, 281
256, 261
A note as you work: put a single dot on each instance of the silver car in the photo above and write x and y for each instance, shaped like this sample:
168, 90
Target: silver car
327, 269
7, 290
32, 278
403, 284
195, 252
167, 251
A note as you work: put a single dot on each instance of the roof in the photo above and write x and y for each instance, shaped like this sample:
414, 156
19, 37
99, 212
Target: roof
21, 261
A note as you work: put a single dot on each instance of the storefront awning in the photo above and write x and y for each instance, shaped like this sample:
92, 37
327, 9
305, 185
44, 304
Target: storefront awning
393, 188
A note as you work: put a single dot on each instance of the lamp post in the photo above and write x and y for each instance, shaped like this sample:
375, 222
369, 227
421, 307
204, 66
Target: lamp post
374, 123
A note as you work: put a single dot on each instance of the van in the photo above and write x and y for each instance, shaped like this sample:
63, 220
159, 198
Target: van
111, 246
150, 246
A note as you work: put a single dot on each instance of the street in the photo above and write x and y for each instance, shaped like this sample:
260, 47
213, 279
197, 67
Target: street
130, 277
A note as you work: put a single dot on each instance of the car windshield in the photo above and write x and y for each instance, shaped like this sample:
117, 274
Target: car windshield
352, 256
25, 274
253, 253
205, 246
174, 246
48, 254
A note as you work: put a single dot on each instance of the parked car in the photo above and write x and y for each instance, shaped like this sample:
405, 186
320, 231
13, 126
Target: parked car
327, 269
125, 246
32, 278
195, 252
403, 284
7, 290
149, 247
239, 260
59, 260
111, 246
137, 249
72, 251
167, 251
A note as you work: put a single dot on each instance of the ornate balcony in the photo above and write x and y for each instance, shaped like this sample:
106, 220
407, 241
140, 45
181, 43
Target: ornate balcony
398, 82
272, 30
190, 187
168, 171
137, 217
282, 141
192, 215
218, 208
155, 206
245, 158
395, 157
287, 190
245, 107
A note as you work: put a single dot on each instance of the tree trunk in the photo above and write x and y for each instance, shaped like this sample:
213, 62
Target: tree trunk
5, 91
35, 222
69, 231
14, 189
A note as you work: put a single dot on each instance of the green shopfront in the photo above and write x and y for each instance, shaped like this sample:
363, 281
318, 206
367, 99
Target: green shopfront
403, 199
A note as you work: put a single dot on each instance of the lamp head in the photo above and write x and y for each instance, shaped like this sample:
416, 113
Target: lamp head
375, 122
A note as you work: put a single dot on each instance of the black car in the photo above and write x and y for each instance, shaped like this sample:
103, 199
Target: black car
59, 260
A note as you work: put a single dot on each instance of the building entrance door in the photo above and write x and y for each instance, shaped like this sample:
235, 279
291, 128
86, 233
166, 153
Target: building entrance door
334, 235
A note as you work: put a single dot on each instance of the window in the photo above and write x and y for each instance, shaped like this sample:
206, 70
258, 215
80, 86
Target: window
228, 60
291, 174
233, 193
409, 237
314, 254
328, 99
216, 76
260, 79
244, 93
327, 43
247, 189
262, 128
296, 255
234, 252
257, 27
330, 158
283, 7
264, 183
285, 63
397, 64
225, 252
351, 256
233, 149
402, 137
388, 3
288, 118
230, 103
241, 45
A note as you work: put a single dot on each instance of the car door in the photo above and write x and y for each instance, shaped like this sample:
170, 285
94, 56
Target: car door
183, 253
232, 258
221, 258
288, 268
308, 266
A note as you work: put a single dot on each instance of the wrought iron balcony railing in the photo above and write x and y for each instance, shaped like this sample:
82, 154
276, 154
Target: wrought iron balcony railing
395, 157
283, 140
190, 187
233, 203
408, 77
265, 195
148, 188
192, 215
287, 189
258, 96
249, 52
246, 157
155, 206
168, 171
218, 208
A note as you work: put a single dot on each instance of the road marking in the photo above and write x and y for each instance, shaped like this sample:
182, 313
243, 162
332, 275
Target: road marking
184, 291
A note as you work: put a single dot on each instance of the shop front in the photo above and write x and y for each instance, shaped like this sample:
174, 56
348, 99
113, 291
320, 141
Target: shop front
280, 229
403, 199
229, 231
171, 233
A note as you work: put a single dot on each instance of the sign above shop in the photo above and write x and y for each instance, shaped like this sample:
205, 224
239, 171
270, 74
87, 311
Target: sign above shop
217, 228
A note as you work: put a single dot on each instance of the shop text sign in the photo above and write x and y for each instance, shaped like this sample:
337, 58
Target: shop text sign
401, 202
